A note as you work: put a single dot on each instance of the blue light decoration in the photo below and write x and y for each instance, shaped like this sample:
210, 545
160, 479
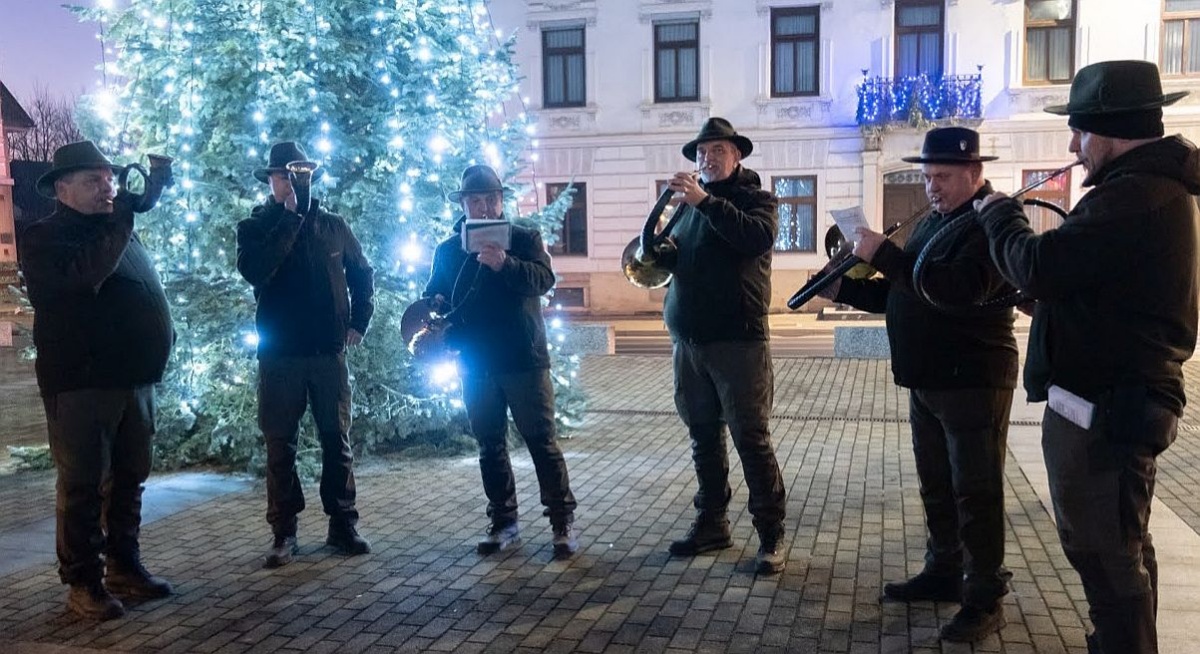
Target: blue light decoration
918, 99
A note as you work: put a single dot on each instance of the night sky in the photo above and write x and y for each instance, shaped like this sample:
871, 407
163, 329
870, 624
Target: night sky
43, 43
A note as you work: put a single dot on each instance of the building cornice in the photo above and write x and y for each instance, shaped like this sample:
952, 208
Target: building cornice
677, 139
764, 7
550, 12
649, 10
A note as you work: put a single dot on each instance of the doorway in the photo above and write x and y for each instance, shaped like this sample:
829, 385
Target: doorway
903, 195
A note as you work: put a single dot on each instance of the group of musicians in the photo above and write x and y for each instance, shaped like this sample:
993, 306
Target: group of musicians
1112, 292
1114, 297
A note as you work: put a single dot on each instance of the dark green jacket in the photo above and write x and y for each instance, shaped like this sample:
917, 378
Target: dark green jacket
934, 349
1116, 284
498, 328
721, 289
310, 278
101, 318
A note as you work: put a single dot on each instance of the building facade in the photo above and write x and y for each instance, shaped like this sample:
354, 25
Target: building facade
833, 93
13, 118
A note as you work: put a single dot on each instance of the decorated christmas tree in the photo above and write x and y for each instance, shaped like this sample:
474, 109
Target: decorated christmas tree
394, 98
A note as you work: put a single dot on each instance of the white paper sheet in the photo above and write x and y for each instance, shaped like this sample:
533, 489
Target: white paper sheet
849, 220
1070, 406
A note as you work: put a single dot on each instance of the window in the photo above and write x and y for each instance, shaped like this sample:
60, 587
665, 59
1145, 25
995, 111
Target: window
7, 238
676, 61
1180, 45
795, 33
562, 67
1056, 191
797, 213
569, 297
573, 237
1049, 41
919, 28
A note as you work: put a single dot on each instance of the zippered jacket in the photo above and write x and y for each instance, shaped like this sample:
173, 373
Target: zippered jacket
310, 278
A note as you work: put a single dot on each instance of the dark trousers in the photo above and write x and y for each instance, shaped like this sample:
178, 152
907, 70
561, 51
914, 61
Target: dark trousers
959, 439
101, 443
530, 396
287, 386
730, 383
1101, 484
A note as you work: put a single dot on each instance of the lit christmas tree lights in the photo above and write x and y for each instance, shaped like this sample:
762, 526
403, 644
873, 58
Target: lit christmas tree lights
393, 97
918, 100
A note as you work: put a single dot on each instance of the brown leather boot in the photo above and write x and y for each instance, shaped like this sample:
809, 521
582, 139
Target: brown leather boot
126, 576
92, 601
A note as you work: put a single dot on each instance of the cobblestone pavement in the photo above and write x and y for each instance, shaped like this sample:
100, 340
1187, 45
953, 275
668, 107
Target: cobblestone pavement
854, 518
22, 421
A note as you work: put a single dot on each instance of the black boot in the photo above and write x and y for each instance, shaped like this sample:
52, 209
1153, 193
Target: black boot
344, 538
126, 576
972, 624
92, 601
282, 551
705, 535
925, 588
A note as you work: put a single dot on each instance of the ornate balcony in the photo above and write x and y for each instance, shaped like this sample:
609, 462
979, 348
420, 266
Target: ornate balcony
885, 102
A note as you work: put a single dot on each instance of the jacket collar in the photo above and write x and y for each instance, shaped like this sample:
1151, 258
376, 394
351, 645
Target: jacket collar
1173, 157
64, 212
314, 203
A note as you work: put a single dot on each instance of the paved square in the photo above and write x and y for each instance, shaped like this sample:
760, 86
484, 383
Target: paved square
854, 519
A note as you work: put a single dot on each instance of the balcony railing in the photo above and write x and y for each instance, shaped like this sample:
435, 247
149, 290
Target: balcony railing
884, 101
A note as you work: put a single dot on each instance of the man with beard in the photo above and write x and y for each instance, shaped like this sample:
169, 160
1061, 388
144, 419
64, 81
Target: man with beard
1116, 317
495, 299
716, 312
960, 366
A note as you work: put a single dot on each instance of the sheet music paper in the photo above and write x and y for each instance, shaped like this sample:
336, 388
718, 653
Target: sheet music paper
848, 220
476, 233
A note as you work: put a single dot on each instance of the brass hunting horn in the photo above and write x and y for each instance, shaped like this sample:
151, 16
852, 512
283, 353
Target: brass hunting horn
936, 247
642, 259
844, 260
146, 192
301, 174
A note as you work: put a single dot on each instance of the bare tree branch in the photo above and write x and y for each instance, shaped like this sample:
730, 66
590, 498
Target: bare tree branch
54, 126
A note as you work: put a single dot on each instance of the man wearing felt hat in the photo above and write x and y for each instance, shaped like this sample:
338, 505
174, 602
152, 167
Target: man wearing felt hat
716, 312
1116, 317
960, 366
103, 333
314, 290
494, 301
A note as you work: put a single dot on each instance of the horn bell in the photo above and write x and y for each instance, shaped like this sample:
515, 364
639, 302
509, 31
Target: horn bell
645, 271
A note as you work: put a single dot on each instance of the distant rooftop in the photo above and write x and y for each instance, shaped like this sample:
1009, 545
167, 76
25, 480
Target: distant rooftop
12, 114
